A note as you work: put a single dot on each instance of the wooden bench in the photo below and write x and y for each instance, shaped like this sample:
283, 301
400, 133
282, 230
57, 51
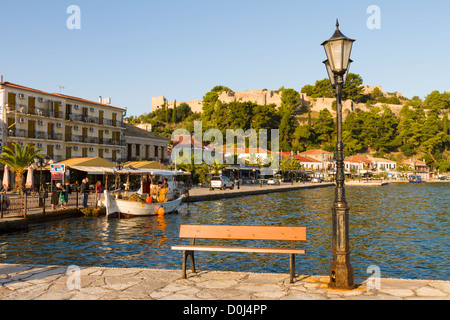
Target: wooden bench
194, 232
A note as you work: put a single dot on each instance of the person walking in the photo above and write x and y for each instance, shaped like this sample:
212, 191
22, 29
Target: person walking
64, 197
99, 190
84, 190
55, 195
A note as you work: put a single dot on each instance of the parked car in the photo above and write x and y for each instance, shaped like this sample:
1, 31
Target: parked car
443, 178
273, 181
221, 183
316, 180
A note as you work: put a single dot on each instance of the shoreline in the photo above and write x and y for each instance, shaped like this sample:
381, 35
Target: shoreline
204, 194
41, 282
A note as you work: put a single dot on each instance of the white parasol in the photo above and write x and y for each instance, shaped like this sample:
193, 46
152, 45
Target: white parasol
30, 181
5, 182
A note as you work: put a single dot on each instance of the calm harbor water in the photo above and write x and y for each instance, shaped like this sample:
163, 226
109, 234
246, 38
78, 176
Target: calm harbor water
401, 228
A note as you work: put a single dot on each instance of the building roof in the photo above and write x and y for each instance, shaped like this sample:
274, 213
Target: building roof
305, 159
145, 165
131, 130
17, 86
186, 141
247, 150
358, 159
88, 162
414, 162
315, 151
381, 160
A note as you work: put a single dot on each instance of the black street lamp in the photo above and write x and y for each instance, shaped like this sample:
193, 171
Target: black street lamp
40, 163
338, 50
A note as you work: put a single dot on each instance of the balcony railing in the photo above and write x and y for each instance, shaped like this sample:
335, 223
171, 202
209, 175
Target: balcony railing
94, 120
93, 140
18, 133
21, 133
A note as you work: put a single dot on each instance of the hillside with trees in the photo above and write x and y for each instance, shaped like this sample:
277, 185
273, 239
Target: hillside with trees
421, 129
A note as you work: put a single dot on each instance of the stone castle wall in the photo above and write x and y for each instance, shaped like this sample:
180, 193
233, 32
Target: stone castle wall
261, 97
265, 97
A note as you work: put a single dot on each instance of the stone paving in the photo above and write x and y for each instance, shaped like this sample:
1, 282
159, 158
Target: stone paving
28, 282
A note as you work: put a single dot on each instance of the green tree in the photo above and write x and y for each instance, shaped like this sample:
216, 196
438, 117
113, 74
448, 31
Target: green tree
209, 102
353, 88
265, 117
437, 100
19, 159
324, 127
183, 111
304, 137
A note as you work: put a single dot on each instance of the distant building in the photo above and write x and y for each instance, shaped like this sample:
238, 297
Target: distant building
418, 168
318, 154
185, 145
383, 165
360, 164
247, 154
145, 145
327, 158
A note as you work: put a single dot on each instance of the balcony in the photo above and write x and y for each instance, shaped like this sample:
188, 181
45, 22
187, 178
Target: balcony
81, 139
94, 120
17, 133
42, 135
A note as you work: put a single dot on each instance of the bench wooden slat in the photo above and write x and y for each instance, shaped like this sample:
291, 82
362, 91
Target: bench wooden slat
243, 232
238, 249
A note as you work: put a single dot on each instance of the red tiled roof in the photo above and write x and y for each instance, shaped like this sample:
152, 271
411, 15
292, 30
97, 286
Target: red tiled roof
415, 162
246, 150
357, 159
315, 151
17, 86
305, 159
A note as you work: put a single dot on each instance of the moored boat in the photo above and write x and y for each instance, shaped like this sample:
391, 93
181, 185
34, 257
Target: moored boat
124, 209
149, 200
415, 179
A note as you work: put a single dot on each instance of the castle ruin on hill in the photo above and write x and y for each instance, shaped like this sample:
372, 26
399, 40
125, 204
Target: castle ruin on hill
266, 97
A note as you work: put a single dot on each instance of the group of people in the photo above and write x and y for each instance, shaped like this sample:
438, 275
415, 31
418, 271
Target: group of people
60, 194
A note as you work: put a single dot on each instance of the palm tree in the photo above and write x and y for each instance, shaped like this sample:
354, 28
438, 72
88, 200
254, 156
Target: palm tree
216, 167
18, 160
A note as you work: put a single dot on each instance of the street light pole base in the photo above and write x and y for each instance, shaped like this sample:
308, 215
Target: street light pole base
341, 273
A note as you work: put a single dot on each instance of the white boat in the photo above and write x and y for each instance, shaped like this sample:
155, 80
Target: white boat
118, 208
170, 199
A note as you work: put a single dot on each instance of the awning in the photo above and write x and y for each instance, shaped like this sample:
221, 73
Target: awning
91, 170
86, 162
155, 172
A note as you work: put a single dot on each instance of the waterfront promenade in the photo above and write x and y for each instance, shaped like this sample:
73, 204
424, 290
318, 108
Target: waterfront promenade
27, 282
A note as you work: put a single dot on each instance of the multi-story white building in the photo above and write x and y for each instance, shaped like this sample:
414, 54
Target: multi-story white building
383, 165
62, 126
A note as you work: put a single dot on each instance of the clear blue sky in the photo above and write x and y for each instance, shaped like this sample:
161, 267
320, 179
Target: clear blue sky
133, 50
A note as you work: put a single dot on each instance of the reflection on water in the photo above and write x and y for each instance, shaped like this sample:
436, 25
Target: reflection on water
401, 228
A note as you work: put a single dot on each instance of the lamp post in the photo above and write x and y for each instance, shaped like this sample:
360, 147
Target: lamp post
338, 50
41, 163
